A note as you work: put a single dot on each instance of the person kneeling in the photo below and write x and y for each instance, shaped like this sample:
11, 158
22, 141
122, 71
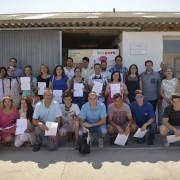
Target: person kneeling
171, 118
48, 110
144, 117
93, 117
119, 117
70, 118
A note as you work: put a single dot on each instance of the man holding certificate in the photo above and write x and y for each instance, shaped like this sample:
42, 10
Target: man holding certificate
144, 116
119, 117
171, 119
97, 82
46, 118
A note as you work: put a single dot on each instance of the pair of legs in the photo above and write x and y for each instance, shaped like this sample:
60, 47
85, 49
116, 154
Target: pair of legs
71, 127
7, 136
113, 131
52, 142
22, 138
165, 131
100, 130
150, 134
127, 129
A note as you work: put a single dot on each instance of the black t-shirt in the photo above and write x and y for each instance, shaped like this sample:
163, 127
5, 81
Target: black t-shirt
47, 80
172, 115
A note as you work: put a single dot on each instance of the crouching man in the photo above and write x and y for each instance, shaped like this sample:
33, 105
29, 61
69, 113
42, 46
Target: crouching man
93, 117
144, 117
70, 117
171, 118
48, 110
119, 117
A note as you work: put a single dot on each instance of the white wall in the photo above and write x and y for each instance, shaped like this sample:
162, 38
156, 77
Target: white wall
140, 46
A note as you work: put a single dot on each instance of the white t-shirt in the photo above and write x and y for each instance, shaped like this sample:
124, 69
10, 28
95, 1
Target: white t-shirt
69, 114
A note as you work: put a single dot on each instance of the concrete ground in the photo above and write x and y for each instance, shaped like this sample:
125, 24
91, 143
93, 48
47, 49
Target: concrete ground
139, 162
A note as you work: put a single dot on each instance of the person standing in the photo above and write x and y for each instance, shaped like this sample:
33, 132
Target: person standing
150, 84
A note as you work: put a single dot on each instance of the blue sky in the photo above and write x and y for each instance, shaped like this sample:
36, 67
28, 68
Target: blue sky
40, 6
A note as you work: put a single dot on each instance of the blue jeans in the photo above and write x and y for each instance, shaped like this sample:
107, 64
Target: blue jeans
101, 130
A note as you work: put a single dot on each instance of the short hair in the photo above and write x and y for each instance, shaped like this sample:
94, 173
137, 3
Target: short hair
97, 64
48, 90
175, 96
13, 58
139, 91
118, 56
148, 61
92, 93
117, 95
85, 59
28, 66
67, 94
69, 58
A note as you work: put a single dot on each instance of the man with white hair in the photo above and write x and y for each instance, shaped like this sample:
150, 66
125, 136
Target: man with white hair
47, 110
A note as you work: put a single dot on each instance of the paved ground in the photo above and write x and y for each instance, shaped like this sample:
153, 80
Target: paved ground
133, 162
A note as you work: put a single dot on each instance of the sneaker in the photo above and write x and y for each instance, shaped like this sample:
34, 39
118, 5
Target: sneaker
100, 143
36, 148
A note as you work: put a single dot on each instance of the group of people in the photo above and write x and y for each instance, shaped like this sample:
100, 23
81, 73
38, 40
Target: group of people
112, 101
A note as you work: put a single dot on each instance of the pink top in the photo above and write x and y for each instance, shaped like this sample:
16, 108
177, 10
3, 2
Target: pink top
7, 120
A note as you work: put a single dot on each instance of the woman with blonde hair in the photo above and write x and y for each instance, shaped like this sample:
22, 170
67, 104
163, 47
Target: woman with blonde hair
44, 76
8, 116
169, 85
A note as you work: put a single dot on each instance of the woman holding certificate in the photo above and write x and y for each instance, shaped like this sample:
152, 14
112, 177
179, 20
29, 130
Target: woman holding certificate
28, 83
43, 79
132, 82
8, 116
79, 88
115, 86
26, 113
59, 83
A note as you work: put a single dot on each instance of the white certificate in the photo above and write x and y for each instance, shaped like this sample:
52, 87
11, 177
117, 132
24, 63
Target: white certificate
58, 95
121, 139
52, 128
97, 88
42, 87
115, 88
21, 126
25, 83
140, 134
173, 138
78, 90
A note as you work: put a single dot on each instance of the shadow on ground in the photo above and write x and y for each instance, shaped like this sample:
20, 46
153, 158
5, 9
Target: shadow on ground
66, 153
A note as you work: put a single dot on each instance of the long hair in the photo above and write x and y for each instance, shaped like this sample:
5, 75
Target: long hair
9, 98
129, 71
54, 72
46, 66
119, 76
30, 110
